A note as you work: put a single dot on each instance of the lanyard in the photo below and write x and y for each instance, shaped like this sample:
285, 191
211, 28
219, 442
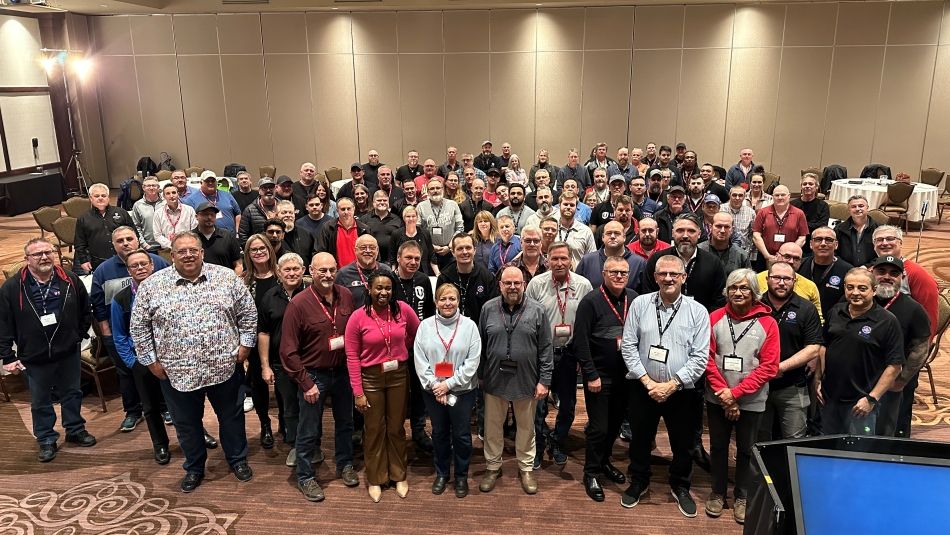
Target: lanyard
448, 345
563, 234
510, 327
732, 333
663, 330
562, 306
779, 222
49, 287
213, 199
825, 272
330, 314
359, 271
504, 254
623, 318
174, 223
887, 306
388, 335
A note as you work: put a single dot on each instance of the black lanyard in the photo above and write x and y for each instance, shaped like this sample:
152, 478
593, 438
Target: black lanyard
780, 223
510, 326
732, 333
669, 322
825, 272
49, 287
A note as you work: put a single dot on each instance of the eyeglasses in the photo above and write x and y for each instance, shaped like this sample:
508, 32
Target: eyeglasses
617, 272
511, 284
780, 278
366, 248
258, 250
823, 239
187, 252
669, 274
887, 239
140, 265
739, 289
40, 254
531, 241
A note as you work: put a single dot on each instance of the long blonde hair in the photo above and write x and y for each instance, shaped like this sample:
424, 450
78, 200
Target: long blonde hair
485, 215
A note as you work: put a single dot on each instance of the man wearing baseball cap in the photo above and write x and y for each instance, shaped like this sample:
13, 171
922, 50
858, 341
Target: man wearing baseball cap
229, 212
357, 174
254, 217
220, 246
486, 160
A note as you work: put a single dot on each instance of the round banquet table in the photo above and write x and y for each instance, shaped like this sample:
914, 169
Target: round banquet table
876, 190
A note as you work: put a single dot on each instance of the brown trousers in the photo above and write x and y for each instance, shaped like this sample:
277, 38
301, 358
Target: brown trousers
384, 435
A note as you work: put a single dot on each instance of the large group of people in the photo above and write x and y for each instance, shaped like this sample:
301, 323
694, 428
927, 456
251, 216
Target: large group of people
480, 293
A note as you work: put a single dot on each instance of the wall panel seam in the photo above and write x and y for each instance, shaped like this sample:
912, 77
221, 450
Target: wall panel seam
356, 101
933, 82
224, 96
778, 89
880, 87
270, 120
313, 109
181, 98
831, 70
732, 52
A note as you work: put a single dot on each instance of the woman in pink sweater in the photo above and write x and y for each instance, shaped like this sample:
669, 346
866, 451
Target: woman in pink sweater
378, 338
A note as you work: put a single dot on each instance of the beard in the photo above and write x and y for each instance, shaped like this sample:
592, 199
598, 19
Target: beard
436, 198
515, 201
886, 291
685, 248
544, 208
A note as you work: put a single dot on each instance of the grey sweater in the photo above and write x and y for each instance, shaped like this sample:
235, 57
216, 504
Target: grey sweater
464, 353
531, 347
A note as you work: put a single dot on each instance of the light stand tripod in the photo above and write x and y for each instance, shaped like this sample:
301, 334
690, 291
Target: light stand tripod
80, 174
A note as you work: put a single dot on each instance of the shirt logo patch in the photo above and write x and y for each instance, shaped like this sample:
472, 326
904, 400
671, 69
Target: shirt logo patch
356, 283
834, 281
420, 292
792, 315
865, 331
480, 289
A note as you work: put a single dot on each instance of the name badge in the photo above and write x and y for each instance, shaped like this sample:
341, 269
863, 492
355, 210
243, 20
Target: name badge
732, 363
390, 365
336, 342
436, 232
779, 238
219, 215
659, 353
444, 369
48, 319
562, 330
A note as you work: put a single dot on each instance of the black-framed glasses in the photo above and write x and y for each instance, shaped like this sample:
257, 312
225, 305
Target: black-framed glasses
40, 254
617, 272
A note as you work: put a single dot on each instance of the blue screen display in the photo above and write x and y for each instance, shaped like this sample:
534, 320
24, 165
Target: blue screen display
843, 496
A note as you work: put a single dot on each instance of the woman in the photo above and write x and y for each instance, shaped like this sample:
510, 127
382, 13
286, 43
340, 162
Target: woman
756, 197
485, 234
591, 199
362, 204
447, 352
453, 189
743, 357
329, 205
260, 275
515, 174
413, 231
378, 338
506, 247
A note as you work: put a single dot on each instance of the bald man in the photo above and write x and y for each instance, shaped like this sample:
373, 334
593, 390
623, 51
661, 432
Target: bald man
354, 276
778, 224
791, 253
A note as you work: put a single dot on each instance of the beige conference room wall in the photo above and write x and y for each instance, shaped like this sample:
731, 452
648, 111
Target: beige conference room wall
804, 84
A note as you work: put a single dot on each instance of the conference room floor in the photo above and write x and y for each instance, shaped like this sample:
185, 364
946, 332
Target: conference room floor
115, 486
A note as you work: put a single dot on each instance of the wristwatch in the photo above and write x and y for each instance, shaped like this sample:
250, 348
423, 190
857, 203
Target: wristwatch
679, 383
871, 399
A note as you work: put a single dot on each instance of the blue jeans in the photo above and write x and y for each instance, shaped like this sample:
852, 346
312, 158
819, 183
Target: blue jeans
335, 384
451, 433
836, 419
188, 409
61, 376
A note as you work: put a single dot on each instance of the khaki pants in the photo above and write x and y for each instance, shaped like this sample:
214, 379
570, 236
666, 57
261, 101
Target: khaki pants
496, 410
384, 437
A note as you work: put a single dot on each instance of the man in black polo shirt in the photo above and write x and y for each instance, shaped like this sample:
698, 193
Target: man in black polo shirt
864, 357
897, 403
825, 269
220, 245
800, 333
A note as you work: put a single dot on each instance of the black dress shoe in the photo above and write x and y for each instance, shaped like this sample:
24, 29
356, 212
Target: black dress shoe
438, 486
47, 452
162, 455
267, 437
612, 474
701, 458
593, 488
461, 487
191, 481
242, 471
82, 438
210, 441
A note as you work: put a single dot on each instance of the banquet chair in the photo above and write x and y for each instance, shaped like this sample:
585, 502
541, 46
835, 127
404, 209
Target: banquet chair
95, 360
334, 174
267, 170
943, 319
838, 210
879, 216
772, 181
194, 171
164, 175
896, 202
65, 230
76, 206
931, 176
44, 218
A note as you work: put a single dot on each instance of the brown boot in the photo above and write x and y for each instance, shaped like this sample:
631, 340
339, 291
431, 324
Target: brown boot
489, 480
528, 483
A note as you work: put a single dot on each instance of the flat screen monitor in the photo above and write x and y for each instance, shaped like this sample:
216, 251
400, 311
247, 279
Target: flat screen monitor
843, 492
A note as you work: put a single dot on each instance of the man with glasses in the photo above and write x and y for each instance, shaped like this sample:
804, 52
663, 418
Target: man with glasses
639, 198
530, 260
44, 311
825, 269
665, 347
791, 254
144, 210
194, 326
657, 189
888, 241
355, 275
256, 214
598, 332
443, 219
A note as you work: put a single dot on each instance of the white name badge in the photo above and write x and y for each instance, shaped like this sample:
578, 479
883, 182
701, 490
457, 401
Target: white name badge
390, 365
336, 343
436, 232
562, 330
779, 238
731, 363
219, 215
48, 319
659, 353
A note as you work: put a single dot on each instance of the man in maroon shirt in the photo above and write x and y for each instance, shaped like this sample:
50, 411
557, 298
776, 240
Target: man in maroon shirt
311, 351
777, 224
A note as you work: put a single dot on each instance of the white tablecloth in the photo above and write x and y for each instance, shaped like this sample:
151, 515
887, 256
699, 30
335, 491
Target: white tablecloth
875, 191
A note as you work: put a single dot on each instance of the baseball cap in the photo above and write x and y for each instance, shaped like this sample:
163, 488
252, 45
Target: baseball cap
617, 178
889, 259
208, 175
492, 170
283, 179
486, 142
655, 172
206, 206
712, 197
265, 181
355, 166
680, 146
676, 189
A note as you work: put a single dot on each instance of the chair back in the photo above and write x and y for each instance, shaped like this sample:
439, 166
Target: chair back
943, 320
898, 193
45, 216
772, 181
76, 206
163, 175
194, 171
267, 170
931, 176
10, 270
838, 210
65, 230
879, 216
814, 170
334, 174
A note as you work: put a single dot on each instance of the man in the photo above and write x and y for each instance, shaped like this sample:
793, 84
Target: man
559, 296
665, 347
371, 169
638, 195
315, 217
46, 315
414, 288
355, 275
428, 174
625, 213
591, 266
516, 209
651, 158
357, 178
600, 187
676, 199
598, 331
94, 229
451, 163
688, 166
181, 182
738, 174
705, 276
865, 352
799, 327
545, 206
708, 173
295, 240
220, 246
549, 227
666, 163
108, 280
825, 269
143, 211
411, 170
243, 193
656, 191
920, 284
776, 225
382, 223
492, 183
604, 211
530, 260
577, 236
542, 179
410, 196
681, 157
306, 185
816, 210
855, 233
791, 254
636, 160
474, 203
229, 212
393, 193
194, 326
505, 154
897, 404
696, 195
710, 208
742, 218
583, 212
720, 243
468, 160
172, 218
543, 163
255, 215
339, 237
647, 243
573, 169
443, 218
622, 166
313, 356
474, 282
598, 159
285, 192
486, 160
516, 367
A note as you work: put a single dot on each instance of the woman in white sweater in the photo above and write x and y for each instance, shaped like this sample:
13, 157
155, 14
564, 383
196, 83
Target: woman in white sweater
447, 353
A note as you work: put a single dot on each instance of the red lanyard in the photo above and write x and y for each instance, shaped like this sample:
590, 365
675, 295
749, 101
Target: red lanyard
359, 272
331, 314
388, 335
213, 200
623, 319
448, 345
891, 302
168, 218
562, 306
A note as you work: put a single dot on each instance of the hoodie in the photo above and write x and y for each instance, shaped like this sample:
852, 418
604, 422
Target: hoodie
759, 349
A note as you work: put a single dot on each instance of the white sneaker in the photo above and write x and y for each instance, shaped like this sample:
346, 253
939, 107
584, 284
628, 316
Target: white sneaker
248, 404
291, 457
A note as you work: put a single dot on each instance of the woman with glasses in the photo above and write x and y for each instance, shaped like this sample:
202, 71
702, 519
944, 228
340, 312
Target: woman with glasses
260, 276
453, 189
743, 357
485, 234
377, 341
447, 352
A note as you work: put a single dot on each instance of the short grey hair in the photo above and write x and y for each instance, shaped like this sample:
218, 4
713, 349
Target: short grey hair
99, 185
290, 257
881, 229
740, 275
286, 204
